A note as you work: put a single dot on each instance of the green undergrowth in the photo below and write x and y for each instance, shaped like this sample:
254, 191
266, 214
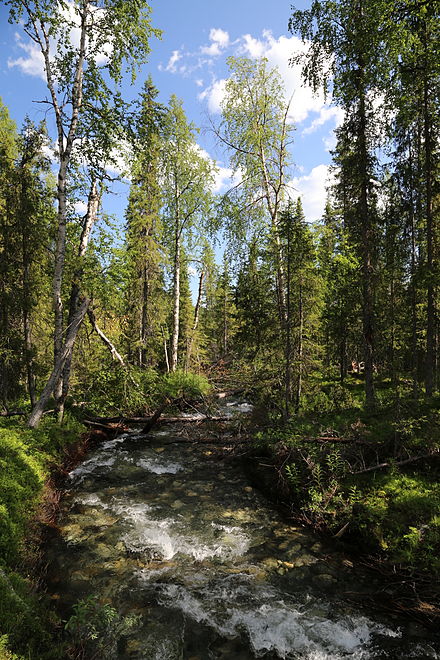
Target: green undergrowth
392, 510
26, 457
136, 391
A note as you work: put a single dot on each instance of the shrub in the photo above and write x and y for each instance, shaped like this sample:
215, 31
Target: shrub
95, 629
186, 385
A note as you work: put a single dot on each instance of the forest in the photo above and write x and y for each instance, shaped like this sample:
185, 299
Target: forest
330, 329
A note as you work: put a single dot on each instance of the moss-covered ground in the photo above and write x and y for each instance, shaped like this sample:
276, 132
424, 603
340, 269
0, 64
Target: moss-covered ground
370, 479
26, 459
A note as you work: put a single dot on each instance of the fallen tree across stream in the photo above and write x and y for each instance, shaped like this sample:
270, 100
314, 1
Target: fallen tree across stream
116, 425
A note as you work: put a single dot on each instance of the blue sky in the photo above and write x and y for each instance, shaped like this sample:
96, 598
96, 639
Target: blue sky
190, 61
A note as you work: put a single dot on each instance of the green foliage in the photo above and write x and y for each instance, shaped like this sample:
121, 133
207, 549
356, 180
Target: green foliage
24, 619
95, 628
391, 511
115, 389
21, 480
181, 384
5, 653
399, 513
25, 456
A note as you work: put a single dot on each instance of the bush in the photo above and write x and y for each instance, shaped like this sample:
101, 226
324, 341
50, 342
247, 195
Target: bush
400, 515
21, 480
95, 629
116, 389
183, 385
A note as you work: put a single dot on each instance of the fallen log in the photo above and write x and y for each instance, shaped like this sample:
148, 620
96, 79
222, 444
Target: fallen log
388, 464
105, 422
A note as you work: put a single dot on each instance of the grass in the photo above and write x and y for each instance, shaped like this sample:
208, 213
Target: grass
26, 457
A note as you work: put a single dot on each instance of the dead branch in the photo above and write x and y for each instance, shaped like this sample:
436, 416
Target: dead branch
388, 464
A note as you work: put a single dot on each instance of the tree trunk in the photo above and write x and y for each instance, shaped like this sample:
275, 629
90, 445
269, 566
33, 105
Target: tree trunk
105, 340
71, 334
196, 321
89, 221
414, 370
367, 247
144, 327
288, 353
430, 319
300, 349
26, 280
176, 302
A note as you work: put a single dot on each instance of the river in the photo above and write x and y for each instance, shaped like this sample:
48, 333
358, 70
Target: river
168, 531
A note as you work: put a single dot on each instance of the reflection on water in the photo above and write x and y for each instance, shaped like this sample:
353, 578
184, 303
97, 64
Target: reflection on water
169, 532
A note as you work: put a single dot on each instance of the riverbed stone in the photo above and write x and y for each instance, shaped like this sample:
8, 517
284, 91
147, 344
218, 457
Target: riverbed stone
79, 576
324, 579
104, 551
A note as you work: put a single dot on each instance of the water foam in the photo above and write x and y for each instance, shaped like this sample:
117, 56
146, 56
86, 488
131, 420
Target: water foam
271, 622
158, 467
165, 538
89, 466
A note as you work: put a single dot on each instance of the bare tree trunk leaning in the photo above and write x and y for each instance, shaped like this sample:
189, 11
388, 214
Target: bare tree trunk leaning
71, 334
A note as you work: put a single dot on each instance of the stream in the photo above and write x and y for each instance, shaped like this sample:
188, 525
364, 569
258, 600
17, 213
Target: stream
168, 531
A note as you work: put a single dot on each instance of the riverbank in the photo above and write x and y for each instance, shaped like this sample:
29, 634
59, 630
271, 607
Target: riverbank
370, 482
32, 463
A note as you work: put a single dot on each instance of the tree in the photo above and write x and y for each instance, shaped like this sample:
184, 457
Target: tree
346, 45
26, 226
302, 302
256, 131
339, 270
87, 112
187, 200
415, 92
144, 230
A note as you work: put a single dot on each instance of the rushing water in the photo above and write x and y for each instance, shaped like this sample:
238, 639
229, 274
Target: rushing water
169, 532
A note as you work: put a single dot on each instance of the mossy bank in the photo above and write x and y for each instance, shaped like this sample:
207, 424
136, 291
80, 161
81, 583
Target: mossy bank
28, 458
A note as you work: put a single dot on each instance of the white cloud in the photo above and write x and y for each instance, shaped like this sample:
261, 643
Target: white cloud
252, 47
326, 114
330, 141
214, 95
225, 179
171, 66
219, 41
33, 64
278, 53
80, 208
312, 190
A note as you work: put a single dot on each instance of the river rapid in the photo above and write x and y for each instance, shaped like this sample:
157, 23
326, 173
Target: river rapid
169, 532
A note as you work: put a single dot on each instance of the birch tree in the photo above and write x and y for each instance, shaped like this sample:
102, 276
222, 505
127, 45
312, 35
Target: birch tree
187, 201
86, 47
257, 131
